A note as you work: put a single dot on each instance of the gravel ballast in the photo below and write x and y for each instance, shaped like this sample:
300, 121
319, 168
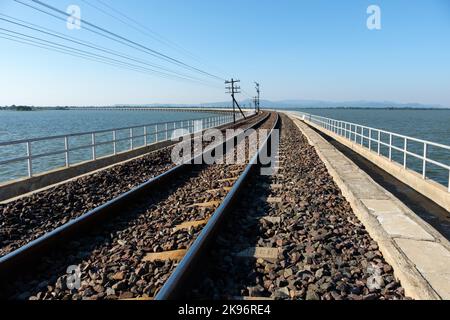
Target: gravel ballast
30, 217
112, 260
322, 251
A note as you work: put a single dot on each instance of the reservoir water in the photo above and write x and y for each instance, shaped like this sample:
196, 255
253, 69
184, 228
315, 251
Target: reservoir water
432, 125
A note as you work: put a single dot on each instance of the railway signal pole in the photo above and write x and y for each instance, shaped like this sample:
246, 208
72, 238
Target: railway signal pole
233, 89
258, 91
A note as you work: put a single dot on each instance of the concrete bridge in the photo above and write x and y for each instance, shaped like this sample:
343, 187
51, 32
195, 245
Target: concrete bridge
405, 213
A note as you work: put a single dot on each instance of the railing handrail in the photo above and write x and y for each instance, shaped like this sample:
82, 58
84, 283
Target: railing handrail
211, 122
345, 129
386, 132
77, 134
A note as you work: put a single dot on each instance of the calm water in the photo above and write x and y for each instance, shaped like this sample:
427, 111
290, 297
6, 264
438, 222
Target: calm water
432, 125
24, 125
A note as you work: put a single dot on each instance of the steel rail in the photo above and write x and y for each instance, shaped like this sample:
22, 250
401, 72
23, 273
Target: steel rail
184, 273
14, 262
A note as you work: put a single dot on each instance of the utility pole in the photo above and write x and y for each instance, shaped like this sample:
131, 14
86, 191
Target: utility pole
233, 89
258, 91
255, 101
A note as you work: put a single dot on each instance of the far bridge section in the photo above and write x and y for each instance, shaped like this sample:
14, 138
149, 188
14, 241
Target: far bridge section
167, 109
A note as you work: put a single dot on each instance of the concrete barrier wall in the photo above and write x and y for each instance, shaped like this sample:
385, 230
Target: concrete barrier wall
430, 189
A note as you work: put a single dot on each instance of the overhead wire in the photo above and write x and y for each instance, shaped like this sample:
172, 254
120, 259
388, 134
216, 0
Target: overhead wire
96, 29
116, 36
47, 31
96, 57
147, 31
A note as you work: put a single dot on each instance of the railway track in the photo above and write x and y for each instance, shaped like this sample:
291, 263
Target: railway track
128, 247
28, 218
293, 237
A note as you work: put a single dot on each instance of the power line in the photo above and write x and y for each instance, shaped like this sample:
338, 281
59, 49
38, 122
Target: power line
91, 56
84, 28
117, 36
140, 28
83, 56
88, 44
56, 49
147, 31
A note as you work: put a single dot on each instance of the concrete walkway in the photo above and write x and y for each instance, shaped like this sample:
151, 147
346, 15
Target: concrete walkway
419, 255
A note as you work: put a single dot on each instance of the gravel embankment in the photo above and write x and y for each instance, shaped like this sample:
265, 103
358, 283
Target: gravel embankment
28, 218
112, 261
325, 253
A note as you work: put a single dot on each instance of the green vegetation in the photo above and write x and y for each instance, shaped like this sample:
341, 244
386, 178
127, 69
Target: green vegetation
30, 108
18, 108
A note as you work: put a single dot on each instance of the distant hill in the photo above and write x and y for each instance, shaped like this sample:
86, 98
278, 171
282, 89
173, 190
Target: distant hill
331, 104
283, 104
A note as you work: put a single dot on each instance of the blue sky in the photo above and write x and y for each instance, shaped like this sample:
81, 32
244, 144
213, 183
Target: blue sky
296, 49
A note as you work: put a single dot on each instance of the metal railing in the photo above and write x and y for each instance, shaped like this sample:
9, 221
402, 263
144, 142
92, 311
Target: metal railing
113, 141
375, 139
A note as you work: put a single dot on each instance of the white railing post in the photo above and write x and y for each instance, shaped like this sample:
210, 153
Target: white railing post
94, 156
405, 149
424, 168
448, 180
167, 131
131, 139
362, 136
30, 162
370, 139
114, 142
145, 136
156, 133
379, 142
390, 147
66, 149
